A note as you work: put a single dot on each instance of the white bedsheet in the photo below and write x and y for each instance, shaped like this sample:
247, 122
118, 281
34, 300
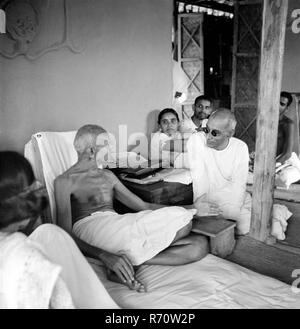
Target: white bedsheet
210, 283
50, 154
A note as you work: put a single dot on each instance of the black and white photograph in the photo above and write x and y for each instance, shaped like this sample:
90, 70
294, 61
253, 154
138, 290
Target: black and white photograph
149, 157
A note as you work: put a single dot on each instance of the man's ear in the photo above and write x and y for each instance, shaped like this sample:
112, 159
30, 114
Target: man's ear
91, 152
232, 132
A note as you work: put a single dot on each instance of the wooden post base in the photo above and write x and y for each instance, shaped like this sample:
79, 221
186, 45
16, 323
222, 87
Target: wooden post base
219, 231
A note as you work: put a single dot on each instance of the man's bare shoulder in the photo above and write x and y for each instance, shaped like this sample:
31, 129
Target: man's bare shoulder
63, 181
67, 175
110, 175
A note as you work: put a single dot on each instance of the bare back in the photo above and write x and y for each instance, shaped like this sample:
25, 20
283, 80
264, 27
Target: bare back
90, 191
84, 189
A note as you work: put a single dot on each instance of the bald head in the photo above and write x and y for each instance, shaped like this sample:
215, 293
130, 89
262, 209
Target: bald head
86, 137
225, 117
220, 128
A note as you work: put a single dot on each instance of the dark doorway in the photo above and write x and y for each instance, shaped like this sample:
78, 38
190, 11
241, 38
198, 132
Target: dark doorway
218, 41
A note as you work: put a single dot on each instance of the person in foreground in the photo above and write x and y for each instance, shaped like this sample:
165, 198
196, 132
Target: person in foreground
45, 269
154, 235
219, 168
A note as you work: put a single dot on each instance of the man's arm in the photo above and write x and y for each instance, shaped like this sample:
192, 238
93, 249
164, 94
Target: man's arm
204, 208
62, 194
239, 179
288, 143
196, 155
132, 201
120, 264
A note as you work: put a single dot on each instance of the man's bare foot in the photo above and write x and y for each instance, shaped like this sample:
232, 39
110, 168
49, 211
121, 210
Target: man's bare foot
132, 285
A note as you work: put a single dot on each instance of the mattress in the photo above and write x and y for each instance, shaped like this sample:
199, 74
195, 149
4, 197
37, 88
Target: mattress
210, 283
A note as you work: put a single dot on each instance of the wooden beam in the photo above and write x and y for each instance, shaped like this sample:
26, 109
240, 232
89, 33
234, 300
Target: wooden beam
272, 49
234, 58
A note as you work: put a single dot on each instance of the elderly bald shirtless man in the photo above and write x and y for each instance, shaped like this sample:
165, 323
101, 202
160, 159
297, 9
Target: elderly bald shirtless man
154, 235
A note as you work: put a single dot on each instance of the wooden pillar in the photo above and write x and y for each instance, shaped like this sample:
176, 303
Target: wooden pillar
272, 49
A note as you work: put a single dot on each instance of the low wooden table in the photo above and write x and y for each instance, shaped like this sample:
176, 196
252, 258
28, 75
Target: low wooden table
172, 194
219, 231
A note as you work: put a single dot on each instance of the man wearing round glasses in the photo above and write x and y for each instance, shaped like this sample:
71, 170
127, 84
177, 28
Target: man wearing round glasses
219, 168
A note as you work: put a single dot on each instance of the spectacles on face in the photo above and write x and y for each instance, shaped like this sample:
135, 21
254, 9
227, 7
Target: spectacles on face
213, 132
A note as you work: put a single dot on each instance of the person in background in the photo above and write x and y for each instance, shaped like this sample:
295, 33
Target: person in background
162, 148
286, 127
202, 110
45, 269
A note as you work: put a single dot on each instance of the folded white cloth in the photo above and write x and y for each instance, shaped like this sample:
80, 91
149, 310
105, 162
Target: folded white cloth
289, 172
54, 153
280, 215
140, 235
279, 221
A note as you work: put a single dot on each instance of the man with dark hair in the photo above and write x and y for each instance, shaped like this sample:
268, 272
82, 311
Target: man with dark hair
286, 126
202, 109
288, 96
41, 268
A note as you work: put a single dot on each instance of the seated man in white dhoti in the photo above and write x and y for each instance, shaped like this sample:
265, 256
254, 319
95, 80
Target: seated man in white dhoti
45, 269
219, 168
84, 197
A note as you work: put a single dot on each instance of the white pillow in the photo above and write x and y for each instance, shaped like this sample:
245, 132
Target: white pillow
290, 174
287, 176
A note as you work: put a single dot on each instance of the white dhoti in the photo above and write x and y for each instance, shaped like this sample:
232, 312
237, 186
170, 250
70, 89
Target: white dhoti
140, 235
